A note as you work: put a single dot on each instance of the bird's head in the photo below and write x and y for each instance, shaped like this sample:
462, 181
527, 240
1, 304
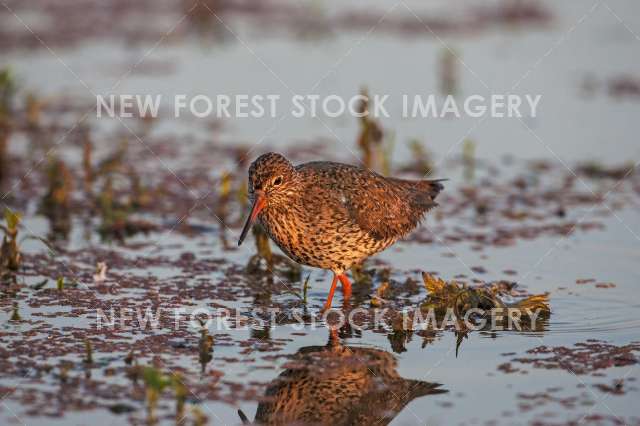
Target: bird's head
272, 179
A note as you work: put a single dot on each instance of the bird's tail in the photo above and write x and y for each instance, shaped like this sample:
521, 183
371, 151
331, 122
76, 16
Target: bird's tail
417, 388
433, 186
422, 192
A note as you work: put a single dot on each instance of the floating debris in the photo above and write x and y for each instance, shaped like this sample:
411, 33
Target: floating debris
121, 408
15, 313
469, 159
444, 296
60, 283
582, 358
155, 382
63, 375
205, 347
371, 135
8, 89
181, 392
596, 170
101, 273
40, 285
448, 71
88, 352
378, 299
33, 107
130, 357
617, 388
4, 148
624, 87
9, 252
87, 167
199, 418
389, 144
360, 275
56, 204
115, 213
263, 247
222, 204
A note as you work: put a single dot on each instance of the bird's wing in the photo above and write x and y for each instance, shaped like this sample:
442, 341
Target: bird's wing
383, 207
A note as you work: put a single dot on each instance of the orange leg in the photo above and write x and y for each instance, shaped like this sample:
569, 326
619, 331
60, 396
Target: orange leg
346, 286
334, 283
346, 289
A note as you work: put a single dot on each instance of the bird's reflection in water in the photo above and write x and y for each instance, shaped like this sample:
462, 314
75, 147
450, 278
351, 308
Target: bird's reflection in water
339, 385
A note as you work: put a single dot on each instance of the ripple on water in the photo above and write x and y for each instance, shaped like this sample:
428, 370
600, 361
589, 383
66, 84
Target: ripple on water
598, 316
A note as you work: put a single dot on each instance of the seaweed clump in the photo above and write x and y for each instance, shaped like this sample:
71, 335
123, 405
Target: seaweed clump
460, 308
483, 301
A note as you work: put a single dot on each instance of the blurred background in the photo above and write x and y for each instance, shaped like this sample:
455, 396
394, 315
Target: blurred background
580, 56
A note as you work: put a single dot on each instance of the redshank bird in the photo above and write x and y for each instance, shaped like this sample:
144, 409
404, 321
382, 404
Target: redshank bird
339, 385
331, 215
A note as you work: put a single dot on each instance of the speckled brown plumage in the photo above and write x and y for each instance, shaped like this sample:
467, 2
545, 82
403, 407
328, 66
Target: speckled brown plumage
332, 215
339, 385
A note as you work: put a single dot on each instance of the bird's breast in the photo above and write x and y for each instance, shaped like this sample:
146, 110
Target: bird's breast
320, 238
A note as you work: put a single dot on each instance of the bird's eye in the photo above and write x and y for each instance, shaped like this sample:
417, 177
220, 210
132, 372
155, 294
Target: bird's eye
277, 181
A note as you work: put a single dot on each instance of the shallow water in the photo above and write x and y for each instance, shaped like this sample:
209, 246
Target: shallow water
149, 270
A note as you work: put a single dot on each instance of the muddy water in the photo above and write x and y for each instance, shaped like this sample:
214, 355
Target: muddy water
590, 273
